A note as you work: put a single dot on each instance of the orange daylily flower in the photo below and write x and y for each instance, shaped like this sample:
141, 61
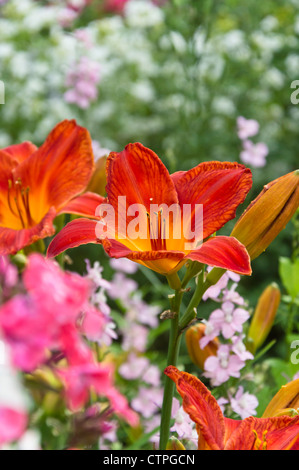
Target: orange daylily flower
215, 432
138, 174
36, 184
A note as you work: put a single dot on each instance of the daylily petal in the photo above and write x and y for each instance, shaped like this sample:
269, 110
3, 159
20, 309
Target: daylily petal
278, 433
219, 186
62, 166
12, 240
75, 233
201, 406
223, 252
163, 262
21, 152
139, 174
86, 204
7, 165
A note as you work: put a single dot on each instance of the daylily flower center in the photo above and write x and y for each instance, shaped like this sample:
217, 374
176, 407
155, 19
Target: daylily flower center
157, 231
258, 444
18, 202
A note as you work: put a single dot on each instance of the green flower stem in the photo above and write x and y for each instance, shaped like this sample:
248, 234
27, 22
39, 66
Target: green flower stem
191, 311
174, 281
172, 357
177, 327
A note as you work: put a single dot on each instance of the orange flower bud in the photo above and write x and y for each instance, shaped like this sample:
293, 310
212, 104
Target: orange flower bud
263, 317
197, 355
98, 180
174, 444
285, 402
268, 214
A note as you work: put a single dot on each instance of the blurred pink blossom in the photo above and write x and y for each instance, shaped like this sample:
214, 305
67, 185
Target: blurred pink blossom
84, 36
222, 402
121, 287
12, 424
254, 154
247, 127
82, 83
148, 401
100, 152
115, 6
152, 376
134, 337
123, 264
67, 16
134, 367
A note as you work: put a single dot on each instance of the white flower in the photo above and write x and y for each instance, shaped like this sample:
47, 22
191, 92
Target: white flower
142, 14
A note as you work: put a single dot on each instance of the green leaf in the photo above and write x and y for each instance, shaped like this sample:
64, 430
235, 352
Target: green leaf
289, 273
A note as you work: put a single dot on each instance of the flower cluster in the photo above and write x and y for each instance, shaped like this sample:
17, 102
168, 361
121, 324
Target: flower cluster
252, 154
44, 326
231, 356
82, 82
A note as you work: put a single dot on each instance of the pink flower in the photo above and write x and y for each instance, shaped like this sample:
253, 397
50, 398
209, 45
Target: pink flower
121, 287
120, 406
134, 367
82, 82
59, 294
183, 425
94, 273
12, 424
141, 312
152, 376
135, 337
223, 366
27, 330
44, 318
8, 274
93, 324
228, 320
222, 402
80, 379
124, 264
247, 127
148, 401
254, 154
239, 348
66, 17
100, 152
214, 291
115, 6
244, 404
84, 36
230, 295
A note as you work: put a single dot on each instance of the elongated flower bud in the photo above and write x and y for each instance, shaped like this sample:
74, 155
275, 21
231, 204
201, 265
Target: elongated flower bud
263, 317
285, 402
174, 444
268, 214
197, 355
